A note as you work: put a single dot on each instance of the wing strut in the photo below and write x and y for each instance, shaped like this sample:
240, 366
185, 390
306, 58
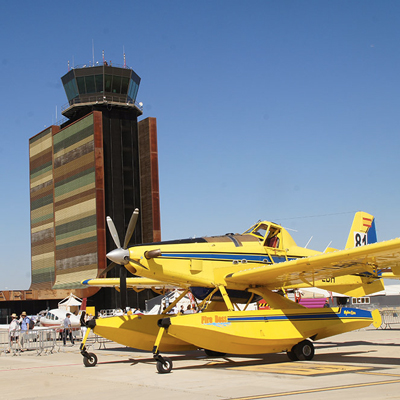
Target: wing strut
226, 298
175, 302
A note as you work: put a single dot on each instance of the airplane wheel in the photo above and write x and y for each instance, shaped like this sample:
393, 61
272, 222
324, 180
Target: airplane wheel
292, 356
212, 353
304, 350
90, 360
164, 367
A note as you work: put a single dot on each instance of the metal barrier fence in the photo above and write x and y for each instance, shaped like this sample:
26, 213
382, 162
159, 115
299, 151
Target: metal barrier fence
43, 340
94, 339
389, 317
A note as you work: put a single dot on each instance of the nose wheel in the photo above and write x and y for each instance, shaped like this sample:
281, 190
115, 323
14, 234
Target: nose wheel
90, 360
164, 364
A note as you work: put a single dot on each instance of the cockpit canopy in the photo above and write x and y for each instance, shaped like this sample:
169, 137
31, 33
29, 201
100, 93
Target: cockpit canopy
267, 232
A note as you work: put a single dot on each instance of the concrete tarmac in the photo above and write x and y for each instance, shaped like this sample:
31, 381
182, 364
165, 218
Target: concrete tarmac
363, 364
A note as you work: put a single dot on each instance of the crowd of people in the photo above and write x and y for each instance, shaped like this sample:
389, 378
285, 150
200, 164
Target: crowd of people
189, 310
19, 327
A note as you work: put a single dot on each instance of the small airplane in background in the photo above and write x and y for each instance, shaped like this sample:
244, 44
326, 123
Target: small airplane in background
223, 271
54, 318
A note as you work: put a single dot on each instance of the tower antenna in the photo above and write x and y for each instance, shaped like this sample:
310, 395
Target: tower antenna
93, 51
123, 49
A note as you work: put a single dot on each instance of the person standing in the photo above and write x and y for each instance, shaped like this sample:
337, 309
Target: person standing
67, 330
24, 323
13, 332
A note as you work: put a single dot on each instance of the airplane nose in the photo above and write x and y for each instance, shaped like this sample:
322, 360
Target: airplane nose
119, 256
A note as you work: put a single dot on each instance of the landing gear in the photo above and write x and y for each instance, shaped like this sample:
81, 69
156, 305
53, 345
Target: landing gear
292, 356
164, 364
212, 353
301, 351
90, 360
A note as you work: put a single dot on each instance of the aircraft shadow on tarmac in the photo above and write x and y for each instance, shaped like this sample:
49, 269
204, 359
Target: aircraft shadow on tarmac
236, 361
326, 345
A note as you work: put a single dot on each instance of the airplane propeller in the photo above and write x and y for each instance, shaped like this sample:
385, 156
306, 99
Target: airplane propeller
120, 256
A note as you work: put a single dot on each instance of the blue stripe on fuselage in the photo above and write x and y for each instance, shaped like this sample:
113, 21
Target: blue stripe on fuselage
343, 313
257, 258
262, 258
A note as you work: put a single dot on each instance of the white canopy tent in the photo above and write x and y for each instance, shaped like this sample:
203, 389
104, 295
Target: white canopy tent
70, 301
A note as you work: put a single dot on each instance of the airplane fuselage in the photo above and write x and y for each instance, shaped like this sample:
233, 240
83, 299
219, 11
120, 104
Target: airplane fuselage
206, 261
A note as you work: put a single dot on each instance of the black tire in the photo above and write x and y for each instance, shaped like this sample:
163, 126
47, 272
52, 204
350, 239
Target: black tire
90, 360
164, 367
212, 353
304, 350
292, 356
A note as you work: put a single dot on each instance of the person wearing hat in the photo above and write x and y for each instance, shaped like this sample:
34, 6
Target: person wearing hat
67, 330
13, 332
24, 322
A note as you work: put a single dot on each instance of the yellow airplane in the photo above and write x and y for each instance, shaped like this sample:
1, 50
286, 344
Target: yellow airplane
222, 271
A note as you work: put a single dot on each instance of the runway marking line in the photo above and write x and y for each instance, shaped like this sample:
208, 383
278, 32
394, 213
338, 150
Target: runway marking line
305, 369
42, 367
326, 389
378, 373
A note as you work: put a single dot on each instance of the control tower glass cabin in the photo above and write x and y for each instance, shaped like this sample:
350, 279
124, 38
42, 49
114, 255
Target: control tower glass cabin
103, 84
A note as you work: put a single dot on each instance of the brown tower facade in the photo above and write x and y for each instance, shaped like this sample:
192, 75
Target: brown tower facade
100, 162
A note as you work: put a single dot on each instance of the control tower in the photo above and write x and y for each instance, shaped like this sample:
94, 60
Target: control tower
101, 86
100, 161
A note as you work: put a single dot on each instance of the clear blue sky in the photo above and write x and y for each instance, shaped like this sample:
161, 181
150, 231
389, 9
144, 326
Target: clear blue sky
279, 110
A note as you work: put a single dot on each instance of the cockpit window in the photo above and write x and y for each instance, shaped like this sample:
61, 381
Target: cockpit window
258, 230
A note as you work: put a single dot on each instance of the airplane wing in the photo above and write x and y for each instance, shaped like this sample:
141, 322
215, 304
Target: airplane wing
136, 283
359, 260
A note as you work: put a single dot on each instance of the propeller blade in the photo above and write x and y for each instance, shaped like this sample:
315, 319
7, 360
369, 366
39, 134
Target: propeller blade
113, 231
131, 227
109, 268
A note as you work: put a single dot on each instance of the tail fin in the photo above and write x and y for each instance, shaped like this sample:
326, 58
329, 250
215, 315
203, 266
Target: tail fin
362, 231
83, 305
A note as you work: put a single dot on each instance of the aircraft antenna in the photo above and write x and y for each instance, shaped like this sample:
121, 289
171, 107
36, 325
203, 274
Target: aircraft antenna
93, 51
289, 229
309, 240
326, 248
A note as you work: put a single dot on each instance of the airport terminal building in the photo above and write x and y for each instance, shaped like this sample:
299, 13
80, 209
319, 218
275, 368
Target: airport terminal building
100, 161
